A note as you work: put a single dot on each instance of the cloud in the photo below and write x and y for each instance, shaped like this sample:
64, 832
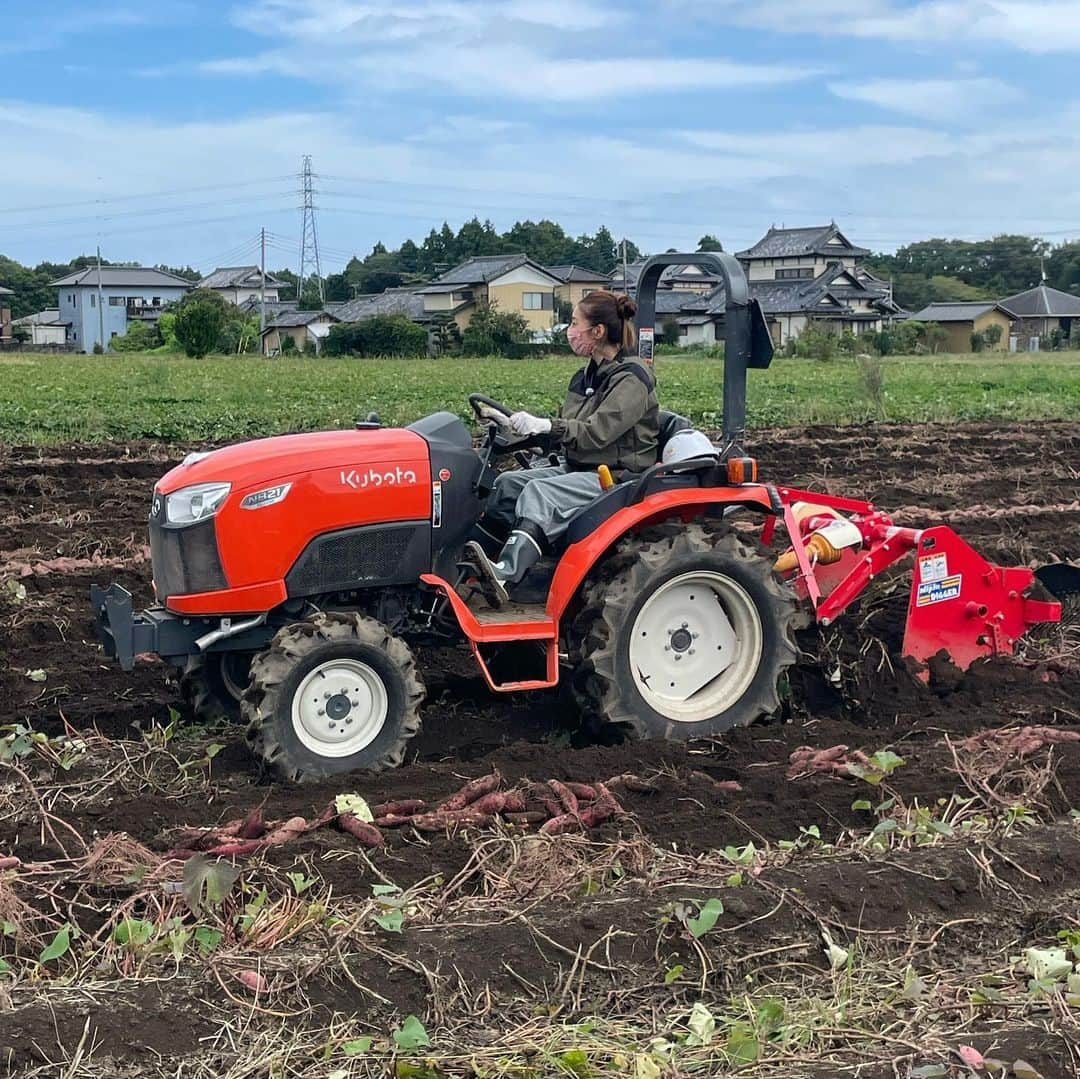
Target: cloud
940, 100
555, 53
1036, 26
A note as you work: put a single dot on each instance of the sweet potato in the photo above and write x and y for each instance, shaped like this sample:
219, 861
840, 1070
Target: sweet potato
440, 819
292, 829
245, 846
393, 820
566, 797
499, 802
10, 862
531, 817
253, 981
472, 790
584, 792
404, 808
253, 826
368, 834
632, 783
567, 822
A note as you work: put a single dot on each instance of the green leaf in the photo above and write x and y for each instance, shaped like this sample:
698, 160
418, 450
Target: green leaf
213, 749
706, 918
674, 974
391, 920
353, 803
133, 932
301, 882
887, 761
734, 881
929, 1071
9, 929
576, 1061
207, 939
770, 1016
36, 675
384, 889
206, 883
357, 1046
5, 967
411, 1035
59, 945
862, 804
742, 1044
702, 1025
1047, 964
887, 825
941, 827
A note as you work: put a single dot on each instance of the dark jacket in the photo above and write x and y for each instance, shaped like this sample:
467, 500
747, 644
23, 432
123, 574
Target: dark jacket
610, 417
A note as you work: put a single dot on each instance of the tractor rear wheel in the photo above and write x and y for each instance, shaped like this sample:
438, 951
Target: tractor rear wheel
689, 635
335, 693
213, 684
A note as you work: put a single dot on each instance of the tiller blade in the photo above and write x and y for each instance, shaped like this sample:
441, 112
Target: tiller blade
1060, 579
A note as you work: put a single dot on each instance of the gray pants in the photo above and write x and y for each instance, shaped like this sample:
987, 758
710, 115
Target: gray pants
548, 497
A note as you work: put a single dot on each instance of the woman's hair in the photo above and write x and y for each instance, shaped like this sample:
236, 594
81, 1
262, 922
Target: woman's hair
614, 313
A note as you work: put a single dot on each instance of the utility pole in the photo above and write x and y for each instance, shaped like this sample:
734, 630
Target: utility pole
262, 285
309, 238
100, 304
625, 283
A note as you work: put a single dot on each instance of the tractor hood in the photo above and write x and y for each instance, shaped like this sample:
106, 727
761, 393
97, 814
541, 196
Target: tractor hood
264, 461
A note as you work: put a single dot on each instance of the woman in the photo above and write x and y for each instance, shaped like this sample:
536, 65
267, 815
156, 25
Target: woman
610, 417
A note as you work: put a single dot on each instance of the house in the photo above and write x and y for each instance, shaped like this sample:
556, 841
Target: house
126, 293
44, 328
394, 301
1042, 310
800, 254
837, 300
961, 320
514, 283
240, 283
303, 327
5, 314
686, 278
576, 282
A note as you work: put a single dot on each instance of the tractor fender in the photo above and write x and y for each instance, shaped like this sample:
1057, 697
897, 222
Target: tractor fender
688, 503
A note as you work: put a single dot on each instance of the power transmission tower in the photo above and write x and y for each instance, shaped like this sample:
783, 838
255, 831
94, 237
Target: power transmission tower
309, 238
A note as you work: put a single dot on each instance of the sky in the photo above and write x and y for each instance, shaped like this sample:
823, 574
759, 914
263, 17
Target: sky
172, 132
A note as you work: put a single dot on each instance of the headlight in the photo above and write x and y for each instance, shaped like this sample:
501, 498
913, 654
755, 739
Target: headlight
195, 503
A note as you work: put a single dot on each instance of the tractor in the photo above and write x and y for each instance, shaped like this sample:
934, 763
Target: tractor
295, 575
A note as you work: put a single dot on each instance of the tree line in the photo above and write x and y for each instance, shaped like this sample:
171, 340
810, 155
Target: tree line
921, 272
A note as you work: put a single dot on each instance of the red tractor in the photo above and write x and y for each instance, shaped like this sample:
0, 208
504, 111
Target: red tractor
293, 575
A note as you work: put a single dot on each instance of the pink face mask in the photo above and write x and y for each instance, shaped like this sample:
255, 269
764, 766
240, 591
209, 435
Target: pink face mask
580, 341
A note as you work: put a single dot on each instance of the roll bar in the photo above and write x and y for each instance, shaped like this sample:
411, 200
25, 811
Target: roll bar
747, 342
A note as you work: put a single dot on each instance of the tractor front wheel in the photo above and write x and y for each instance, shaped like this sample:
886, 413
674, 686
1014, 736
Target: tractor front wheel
689, 636
335, 693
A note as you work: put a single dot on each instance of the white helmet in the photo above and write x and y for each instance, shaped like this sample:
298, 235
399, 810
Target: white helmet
683, 445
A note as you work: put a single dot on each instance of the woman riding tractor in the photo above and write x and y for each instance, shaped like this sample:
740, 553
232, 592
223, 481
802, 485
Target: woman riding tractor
610, 417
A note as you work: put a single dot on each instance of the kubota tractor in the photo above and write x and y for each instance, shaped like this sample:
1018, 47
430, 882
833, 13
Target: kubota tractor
294, 574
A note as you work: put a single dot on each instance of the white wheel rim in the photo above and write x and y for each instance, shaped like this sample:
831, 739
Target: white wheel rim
696, 646
339, 708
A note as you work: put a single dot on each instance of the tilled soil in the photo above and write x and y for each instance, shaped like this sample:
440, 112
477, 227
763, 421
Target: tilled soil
579, 926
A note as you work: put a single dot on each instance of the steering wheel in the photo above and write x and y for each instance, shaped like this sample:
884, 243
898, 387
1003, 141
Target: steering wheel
480, 404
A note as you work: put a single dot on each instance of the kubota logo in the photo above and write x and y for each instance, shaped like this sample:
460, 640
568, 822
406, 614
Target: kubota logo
394, 477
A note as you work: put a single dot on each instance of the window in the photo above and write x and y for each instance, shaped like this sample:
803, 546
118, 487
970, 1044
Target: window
116, 301
798, 274
93, 299
532, 301
115, 333
156, 301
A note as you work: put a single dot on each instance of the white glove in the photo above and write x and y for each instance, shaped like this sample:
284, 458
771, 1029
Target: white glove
525, 424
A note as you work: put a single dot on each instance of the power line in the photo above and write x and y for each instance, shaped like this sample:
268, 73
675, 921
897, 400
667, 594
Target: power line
309, 237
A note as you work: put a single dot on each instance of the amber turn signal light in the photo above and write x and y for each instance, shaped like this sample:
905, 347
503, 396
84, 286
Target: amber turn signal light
742, 470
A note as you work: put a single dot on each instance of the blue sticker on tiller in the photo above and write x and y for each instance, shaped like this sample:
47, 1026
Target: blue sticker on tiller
938, 591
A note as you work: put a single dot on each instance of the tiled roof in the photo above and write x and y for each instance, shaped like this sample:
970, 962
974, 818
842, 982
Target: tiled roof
299, 318
577, 273
397, 301
1043, 302
124, 276
237, 276
966, 311
49, 317
786, 243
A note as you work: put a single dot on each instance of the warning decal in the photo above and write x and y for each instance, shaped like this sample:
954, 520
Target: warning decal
938, 591
933, 567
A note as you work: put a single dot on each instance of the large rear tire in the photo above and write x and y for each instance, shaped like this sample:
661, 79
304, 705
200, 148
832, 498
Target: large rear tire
213, 685
333, 694
687, 635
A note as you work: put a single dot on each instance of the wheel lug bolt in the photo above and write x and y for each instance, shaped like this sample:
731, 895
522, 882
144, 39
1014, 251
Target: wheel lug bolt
322, 711
691, 651
696, 635
667, 647
677, 657
347, 722
685, 624
326, 696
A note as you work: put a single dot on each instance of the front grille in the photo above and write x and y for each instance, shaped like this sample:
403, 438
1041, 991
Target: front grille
185, 559
362, 557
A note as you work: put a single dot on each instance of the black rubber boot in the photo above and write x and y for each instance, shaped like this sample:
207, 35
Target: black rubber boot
490, 536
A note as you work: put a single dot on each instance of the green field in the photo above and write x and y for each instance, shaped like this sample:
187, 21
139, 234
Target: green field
58, 398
